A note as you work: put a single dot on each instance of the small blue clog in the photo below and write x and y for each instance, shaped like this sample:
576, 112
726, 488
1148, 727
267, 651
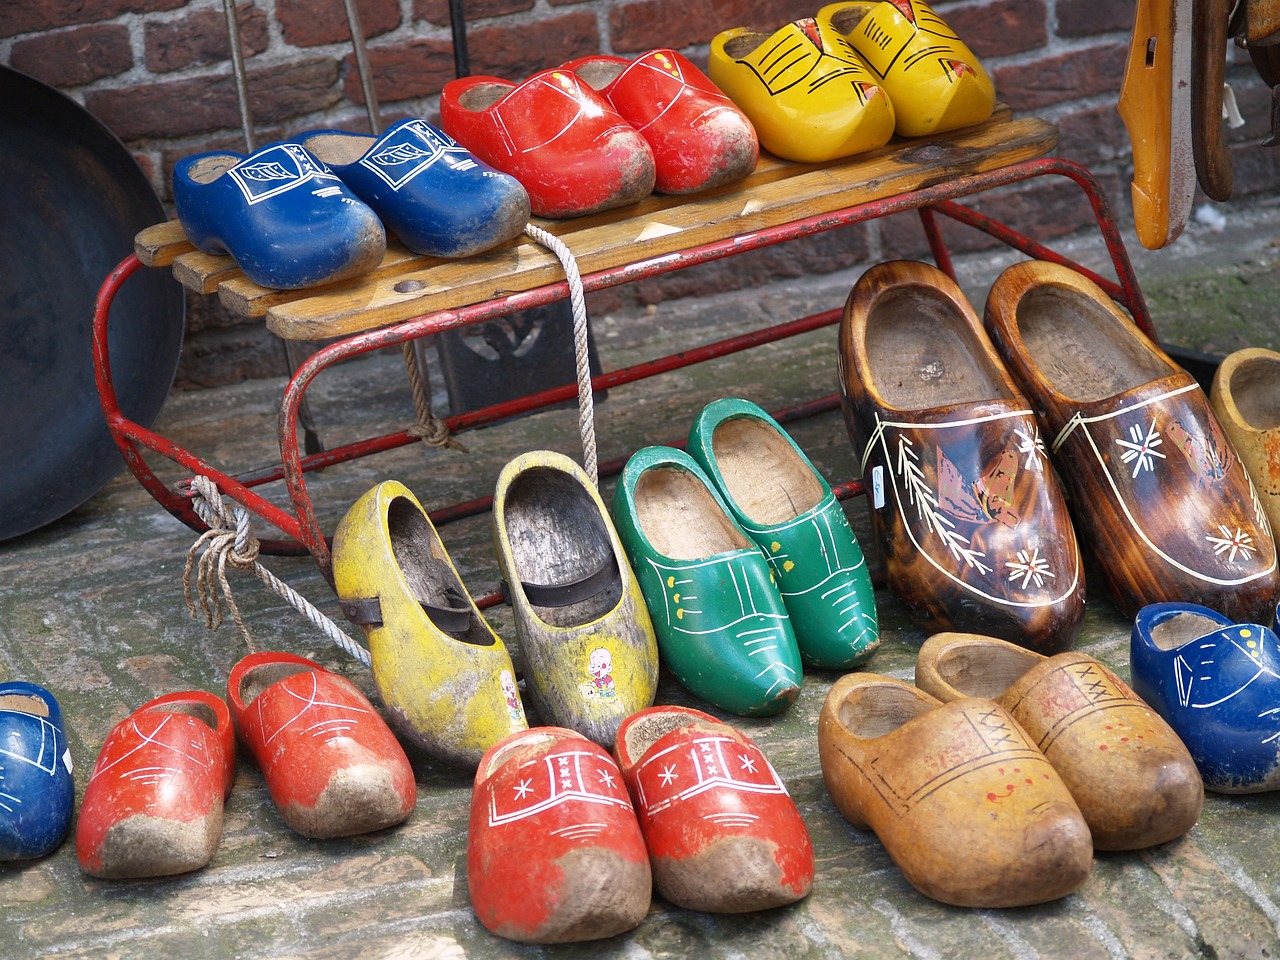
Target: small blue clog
429, 190
287, 219
37, 791
1217, 683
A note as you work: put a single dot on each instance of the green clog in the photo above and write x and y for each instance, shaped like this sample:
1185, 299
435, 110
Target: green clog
785, 506
722, 625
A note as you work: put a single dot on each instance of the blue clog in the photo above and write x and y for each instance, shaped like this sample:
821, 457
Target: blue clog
286, 218
428, 189
1217, 683
37, 791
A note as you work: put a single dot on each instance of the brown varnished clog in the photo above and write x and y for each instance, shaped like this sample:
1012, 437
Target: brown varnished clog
1246, 398
1133, 779
970, 811
965, 508
1155, 487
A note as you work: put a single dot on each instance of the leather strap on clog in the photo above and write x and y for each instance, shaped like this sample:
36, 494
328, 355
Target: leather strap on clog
566, 594
452, 619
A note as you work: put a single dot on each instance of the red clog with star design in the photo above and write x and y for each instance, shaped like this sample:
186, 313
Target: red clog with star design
723, 834
554, 852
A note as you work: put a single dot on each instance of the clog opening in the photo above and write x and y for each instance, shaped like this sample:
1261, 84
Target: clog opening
210, 169
24, 703
1181, 629
847, 18
339, 148
644, 732
191, 708
744, 44
1255, 388
483, 95
557, 535
680, 518
257, 679
524, 741
766, 478
876, 709
599, 73
984, 670
924, 353
1084, 350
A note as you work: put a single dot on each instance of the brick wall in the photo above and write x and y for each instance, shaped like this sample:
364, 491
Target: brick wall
158, 73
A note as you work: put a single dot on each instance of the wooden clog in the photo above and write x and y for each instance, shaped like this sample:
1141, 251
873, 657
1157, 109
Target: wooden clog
1133, 779
445, 677
722, 625
153, 806
1208, 77
1217, 683
331, 763
964, 505
554, 851
723, 834
589, 648
1246, 398
1155, 487
37, 789
970, 811
783, 504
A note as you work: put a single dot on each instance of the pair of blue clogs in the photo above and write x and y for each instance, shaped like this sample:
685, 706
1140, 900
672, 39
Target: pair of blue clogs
1217, 683
312, 210
37, 791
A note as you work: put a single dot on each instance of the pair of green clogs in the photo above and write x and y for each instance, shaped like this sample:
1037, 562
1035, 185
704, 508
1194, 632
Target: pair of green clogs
746, 561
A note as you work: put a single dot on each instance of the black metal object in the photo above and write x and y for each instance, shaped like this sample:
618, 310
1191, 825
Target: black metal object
73, 200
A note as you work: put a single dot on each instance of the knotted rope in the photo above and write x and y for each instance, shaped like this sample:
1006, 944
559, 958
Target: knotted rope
229, 542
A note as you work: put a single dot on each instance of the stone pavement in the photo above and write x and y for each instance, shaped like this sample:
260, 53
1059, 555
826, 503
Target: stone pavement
92, 608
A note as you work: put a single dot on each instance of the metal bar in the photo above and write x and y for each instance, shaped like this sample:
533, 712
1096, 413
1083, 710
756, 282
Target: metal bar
937, 246
362, 67
458, 24
237, 68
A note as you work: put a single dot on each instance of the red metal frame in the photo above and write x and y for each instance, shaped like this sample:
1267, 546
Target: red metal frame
300, 527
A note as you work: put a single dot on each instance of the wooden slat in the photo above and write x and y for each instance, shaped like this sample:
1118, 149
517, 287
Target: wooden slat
158, 245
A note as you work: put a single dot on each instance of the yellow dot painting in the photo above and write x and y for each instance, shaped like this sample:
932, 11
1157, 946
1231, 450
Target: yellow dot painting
775, 547
789, 566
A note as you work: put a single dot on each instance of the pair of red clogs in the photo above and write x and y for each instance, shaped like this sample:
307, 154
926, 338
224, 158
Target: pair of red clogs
601, 132
154, 803
566, 842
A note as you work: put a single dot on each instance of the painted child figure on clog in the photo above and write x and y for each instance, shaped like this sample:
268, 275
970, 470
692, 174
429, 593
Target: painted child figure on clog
810, 97
786, 507
1217, 683
37, 790
428, 189
934, 80
282, 215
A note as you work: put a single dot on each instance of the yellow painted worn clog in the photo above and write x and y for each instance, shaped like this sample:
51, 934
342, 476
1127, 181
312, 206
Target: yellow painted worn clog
809, 96
934, 80
445, 677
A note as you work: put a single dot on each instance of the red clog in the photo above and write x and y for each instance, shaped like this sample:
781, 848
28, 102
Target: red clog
700, 139
723, 833
153, 805
554, 134
554, 852
332, 765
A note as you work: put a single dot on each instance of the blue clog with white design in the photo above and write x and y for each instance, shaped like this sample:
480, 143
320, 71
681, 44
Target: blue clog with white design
286, 219
429, 190
1217, 683
721, 623
37, 790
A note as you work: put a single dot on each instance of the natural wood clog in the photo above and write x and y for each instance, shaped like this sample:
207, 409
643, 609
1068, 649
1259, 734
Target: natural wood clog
590, 652
554, 851
1133, 779
964, 504
1246, 397
37, 789
153, 806
1155, 487
970, 811
331, 763
723, 834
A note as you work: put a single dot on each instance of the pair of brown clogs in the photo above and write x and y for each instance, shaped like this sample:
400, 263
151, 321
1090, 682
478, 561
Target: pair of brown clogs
992, 781
960, 430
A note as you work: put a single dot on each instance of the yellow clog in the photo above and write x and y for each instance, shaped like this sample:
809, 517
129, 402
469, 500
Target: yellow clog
933, 79
445, 677
809, 96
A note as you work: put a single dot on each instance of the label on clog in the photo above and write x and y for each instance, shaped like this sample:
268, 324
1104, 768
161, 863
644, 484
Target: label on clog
276, 170
412, 148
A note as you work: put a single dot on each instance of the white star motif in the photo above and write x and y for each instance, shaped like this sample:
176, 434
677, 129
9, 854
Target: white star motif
748, 763
1029, 566
606, 777
1238, 542
1140, 449
523, 789
669, 775
1031, 445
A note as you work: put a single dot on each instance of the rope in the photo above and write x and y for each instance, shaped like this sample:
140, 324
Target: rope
433, 432
586, 402
228, 541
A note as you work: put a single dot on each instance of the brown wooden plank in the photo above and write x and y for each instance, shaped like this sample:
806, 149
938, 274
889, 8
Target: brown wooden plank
158, 245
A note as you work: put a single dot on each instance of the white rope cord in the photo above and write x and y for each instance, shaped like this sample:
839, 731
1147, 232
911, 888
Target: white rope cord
228, 541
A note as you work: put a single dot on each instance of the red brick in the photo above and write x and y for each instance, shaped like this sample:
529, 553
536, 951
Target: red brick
437, 11
310, 24
1001, 28
517, 50
72, 58
404, 71
202, 39
1081, 73
1087, 18
29, 16
1093, 136
646, 24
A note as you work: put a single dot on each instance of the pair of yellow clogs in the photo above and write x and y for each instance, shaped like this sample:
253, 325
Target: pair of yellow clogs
845, 81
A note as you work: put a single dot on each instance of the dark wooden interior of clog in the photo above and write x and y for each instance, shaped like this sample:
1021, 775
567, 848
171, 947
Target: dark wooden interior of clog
1085, 352
194, 708
766, 477
744, 44
643, 732
599, 73
24, 703
1181, 628
1255, 388
680, 518
875, 709
922, 355
257, 679
338, 148
984, 669
847, 18
211, 168
483, 95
